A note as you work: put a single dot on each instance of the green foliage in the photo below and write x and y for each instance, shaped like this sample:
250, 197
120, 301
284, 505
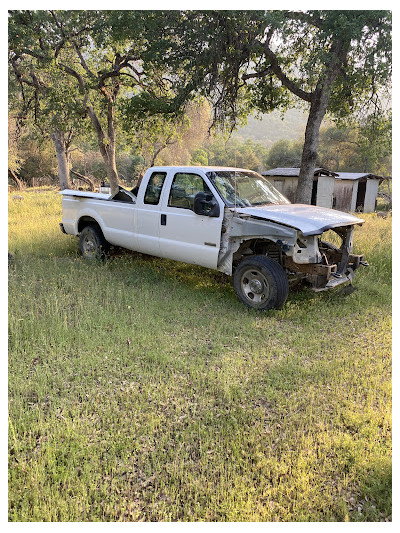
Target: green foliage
89, 163
375, 139
45, 97
244, 61
125, 405
365, 146
100, 64
231, 153
168, 140
39, 164
285, 153
228, 55
199, 157
138, 71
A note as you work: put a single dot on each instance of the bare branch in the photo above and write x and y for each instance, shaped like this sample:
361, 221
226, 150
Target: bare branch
83, 178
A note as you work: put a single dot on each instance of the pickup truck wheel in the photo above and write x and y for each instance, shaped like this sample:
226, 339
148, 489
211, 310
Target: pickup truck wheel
92, 243
261, 283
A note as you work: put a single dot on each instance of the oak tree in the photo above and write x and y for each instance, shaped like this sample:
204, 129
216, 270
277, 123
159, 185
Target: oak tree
333, 62
90, 53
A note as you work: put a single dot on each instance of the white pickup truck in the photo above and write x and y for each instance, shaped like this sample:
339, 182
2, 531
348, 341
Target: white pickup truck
228, 219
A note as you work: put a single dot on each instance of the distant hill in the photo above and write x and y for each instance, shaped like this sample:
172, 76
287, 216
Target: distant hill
272, 127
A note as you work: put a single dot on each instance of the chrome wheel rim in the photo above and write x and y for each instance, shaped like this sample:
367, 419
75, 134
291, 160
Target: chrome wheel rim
254, 286
89, 247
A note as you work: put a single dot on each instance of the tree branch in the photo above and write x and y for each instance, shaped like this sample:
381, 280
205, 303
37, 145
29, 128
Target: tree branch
82, 61
85, 179
259, 74
287, 82
75, 74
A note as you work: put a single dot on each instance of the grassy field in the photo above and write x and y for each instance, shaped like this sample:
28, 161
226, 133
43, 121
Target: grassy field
142, 389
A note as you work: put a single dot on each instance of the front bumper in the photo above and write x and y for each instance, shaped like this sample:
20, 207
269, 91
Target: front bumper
337, 279
324, 277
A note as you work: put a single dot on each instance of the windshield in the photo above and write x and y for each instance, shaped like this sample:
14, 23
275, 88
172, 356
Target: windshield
251, 188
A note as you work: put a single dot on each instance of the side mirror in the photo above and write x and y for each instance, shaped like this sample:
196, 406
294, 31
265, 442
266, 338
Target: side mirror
206, 205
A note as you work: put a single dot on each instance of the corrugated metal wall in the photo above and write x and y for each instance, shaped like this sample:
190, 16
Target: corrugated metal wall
343, 193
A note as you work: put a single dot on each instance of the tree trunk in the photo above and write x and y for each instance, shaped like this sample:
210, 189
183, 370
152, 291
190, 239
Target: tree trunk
310, 154
111, 167
63, 168
107, 146
16, 179
319, 105
112, 172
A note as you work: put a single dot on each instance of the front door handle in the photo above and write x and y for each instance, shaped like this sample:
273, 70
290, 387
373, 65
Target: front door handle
163, 220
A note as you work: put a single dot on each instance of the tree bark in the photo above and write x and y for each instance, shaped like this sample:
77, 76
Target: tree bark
107, 143
58, 139
107, 146
310, 150
85, 179
111, 166
319, 105
16, 179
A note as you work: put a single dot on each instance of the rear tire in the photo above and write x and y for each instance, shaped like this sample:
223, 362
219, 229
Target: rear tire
261, 283
92, 243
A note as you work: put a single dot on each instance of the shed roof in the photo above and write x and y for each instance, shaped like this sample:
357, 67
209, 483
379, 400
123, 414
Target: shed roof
294, 172
356, 175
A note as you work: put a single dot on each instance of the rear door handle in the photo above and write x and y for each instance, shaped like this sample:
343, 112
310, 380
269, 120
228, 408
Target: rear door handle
163, 220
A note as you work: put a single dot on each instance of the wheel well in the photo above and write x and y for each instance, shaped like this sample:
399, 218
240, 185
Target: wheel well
258, 247
87, 221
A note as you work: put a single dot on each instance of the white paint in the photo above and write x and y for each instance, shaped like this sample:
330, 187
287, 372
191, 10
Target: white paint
354, 196
370, 195
193, 238
309, 219
325, 191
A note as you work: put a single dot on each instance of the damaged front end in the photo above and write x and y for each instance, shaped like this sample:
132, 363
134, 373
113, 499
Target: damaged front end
323, 264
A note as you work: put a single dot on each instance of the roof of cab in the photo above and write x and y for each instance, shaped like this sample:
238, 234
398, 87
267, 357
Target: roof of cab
200, 167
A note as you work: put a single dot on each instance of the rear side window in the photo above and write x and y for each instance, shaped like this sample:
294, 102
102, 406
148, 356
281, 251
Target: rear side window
154, 187
122, 196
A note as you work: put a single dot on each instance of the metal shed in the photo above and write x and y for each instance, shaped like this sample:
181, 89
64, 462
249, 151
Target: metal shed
344, 191
286, 179
355, 191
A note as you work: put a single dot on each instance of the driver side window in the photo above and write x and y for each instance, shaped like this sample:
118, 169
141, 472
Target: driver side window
184, 188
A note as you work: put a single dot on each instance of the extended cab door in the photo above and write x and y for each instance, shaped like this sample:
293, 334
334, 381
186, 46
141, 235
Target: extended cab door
185, 236
148, 213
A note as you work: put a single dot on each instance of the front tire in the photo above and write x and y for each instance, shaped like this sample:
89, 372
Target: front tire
92, 243
261, 283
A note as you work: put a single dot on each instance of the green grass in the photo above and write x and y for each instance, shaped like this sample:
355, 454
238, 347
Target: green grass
142, 389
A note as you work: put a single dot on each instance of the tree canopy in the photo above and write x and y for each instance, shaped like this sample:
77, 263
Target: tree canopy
334, 62
90, 55
133, 74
